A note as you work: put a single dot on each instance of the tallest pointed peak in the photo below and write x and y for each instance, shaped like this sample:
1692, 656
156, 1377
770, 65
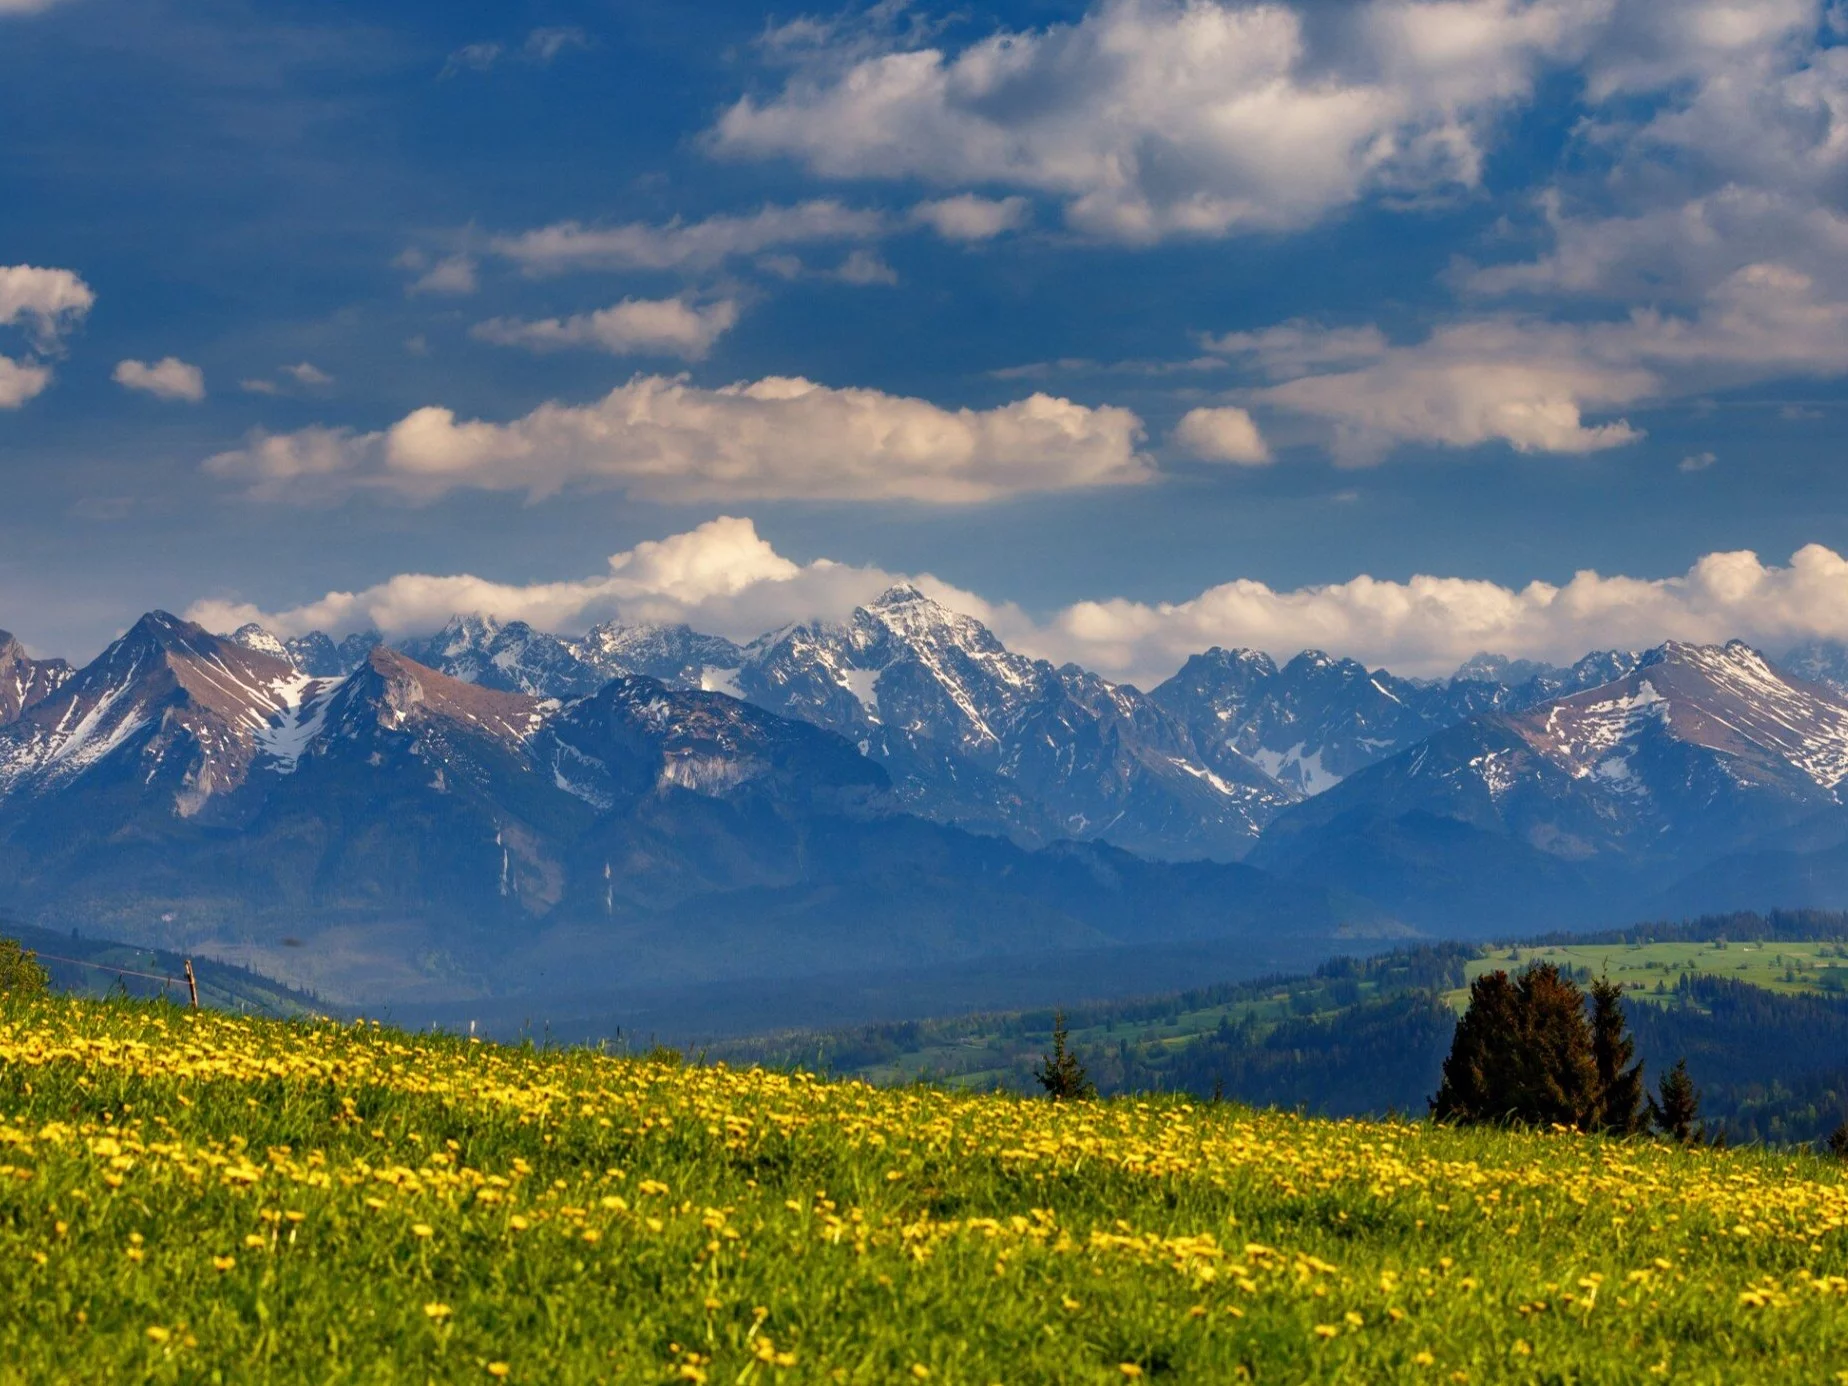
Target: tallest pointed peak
162, 628
902, 594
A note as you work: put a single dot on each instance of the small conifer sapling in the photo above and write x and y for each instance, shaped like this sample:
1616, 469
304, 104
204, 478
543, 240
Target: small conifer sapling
1674, 1115
1060, 1072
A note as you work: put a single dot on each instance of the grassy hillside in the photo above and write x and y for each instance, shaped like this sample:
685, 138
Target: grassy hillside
1756, 1004
191, 1196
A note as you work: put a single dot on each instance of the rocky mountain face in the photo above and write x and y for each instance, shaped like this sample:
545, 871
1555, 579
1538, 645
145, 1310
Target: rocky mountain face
24, 680
1818, 661
512, 657
315, 654
971, 733
1315, 720
976, 734
182, 712
400, 832
678, 655
1608, 794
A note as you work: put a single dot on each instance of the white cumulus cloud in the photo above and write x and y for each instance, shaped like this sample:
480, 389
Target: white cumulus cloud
1428, 625
47, 301
21, 381
665, 439
167, 378
1225, 434
967, 217
1160, 117
722, 577
570, 245
864, 267
1538, 385
454, 275
669, 326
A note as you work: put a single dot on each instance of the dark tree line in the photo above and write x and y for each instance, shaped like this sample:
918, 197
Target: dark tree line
1530, 1051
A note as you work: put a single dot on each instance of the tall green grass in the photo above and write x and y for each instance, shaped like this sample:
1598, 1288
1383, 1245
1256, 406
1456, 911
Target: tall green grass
194, 1197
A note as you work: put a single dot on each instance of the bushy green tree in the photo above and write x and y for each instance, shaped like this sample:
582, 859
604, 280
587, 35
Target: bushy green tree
20, 972
1060, 1072
1523, 1053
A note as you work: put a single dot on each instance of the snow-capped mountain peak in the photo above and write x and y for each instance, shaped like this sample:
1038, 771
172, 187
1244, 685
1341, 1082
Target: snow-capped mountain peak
1727, 699
254, 637
169, 702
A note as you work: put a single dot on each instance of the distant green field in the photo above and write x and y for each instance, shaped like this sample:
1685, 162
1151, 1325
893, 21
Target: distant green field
993, 1051
985, 1057
1650, 970
1367, 1036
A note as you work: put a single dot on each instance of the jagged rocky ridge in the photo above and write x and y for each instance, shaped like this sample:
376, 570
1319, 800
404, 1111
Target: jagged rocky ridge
415, 833
977, 735
1551, 797
1698, 758
24, 680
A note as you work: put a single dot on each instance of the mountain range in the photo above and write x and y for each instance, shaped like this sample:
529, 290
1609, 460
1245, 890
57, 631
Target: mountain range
495, 811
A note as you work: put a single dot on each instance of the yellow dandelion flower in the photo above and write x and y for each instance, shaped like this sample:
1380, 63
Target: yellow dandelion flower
1326, 1330
223, 1263
422, 1229
498, 1369
436, 1311
157, 1334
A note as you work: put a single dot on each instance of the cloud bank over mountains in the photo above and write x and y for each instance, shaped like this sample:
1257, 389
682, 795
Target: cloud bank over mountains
726, 579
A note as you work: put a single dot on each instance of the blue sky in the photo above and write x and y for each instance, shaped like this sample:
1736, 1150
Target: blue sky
1101, 308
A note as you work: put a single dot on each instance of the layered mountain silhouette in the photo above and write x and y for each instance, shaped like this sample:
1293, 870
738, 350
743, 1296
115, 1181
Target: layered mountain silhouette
1610, 796
652, 806
416, 834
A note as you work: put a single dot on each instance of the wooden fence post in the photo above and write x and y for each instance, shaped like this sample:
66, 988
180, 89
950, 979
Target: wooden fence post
192, 984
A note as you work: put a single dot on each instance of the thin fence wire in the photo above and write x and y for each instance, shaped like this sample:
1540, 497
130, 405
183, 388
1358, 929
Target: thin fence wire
104, 967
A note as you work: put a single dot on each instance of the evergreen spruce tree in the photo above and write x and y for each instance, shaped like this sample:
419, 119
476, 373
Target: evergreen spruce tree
1060, 1072
1675, 1114
1620, 1083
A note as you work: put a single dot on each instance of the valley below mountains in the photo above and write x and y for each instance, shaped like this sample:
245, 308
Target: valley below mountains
888, 815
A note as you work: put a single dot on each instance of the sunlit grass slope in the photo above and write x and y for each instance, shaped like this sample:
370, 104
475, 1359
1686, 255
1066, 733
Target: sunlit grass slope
1795, 968
189, 1196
